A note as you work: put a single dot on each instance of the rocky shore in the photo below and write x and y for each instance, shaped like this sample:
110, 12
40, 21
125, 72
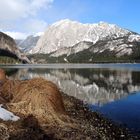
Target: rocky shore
82, 125
45, 113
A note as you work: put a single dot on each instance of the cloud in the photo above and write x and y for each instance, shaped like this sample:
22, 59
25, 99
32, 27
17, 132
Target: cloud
37, 4
15, 9
6, 25
12, 9
20, 35
16, 35
39, 34
28, 26
35, 25
23, 17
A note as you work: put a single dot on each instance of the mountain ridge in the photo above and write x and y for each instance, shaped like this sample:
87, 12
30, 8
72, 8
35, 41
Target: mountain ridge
28, 43
67, 39
8, 48
66, 33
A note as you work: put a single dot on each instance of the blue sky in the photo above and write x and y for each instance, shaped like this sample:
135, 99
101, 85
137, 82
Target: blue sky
20, 18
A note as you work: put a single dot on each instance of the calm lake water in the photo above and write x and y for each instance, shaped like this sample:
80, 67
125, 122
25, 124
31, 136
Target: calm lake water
111, 89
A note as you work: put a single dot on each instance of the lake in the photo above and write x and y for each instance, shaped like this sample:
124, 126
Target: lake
111, 89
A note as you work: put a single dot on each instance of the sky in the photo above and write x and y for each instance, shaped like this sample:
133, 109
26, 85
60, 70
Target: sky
20, 18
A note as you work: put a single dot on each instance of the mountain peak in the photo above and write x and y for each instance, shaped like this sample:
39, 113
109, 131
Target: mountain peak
67, 33
68, 21
64, 21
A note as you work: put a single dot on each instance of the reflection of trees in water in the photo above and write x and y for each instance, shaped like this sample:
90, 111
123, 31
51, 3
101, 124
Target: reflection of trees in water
96, 86
21, 74
10, 72
136, 77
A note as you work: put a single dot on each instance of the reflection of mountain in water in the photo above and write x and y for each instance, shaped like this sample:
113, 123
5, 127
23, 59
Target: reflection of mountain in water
94, 86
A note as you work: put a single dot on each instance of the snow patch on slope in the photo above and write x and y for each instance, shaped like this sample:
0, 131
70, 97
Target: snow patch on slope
133, 38
7, 115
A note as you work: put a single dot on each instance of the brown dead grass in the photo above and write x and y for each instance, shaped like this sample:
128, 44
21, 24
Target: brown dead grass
4, 135
38, 97
43, 116
2, 75
2, 80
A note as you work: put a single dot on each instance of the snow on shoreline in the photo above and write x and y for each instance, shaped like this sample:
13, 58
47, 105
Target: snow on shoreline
7, 115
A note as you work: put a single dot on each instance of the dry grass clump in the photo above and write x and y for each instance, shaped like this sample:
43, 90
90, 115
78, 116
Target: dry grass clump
3, 132
38, 97
2, 80
8, 88
2, 75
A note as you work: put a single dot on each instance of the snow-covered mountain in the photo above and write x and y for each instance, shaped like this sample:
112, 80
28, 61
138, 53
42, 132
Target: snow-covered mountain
27, 44
71, 41
66, 33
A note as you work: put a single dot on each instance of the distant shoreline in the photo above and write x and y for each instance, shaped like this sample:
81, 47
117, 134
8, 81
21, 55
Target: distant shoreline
71, 65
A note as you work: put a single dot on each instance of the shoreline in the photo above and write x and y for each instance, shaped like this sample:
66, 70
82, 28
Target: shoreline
84, 124
46, 112
106, 128
66, 65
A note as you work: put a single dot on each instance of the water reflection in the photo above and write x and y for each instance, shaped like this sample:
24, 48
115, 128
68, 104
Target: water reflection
94, 86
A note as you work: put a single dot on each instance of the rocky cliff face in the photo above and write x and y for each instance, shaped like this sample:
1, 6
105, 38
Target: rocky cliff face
8, 48
27, 44
67, 39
